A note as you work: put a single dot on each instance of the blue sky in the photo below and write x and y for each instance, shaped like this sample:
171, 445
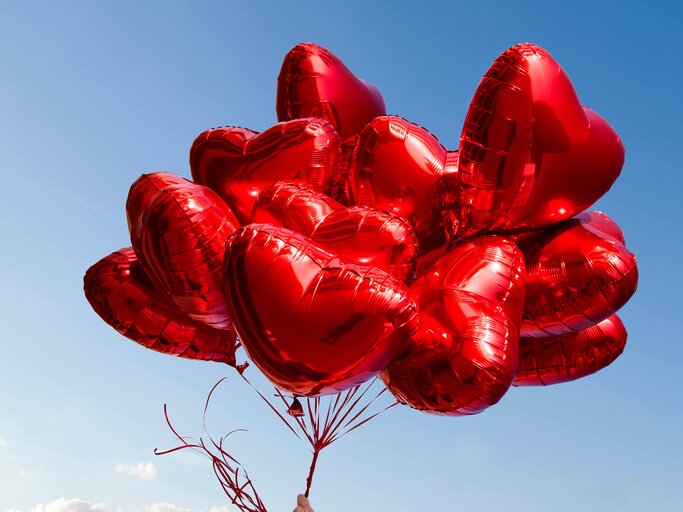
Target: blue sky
92, 94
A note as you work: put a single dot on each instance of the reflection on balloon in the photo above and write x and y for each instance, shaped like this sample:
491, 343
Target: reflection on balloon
122, 295
464, 355
313, 323
557, 359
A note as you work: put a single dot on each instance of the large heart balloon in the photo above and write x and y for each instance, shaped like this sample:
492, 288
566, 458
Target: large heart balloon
238, 163
530, 154
557, 359
312, 322
124, 297
464, 355
313, 82
363, 235
578, 274
180, 240
396, 166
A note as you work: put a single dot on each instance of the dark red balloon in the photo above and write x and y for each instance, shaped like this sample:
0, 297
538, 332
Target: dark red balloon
530, 154
557, 359
144, 189
239, 163
464, 355
362, 235
395, 167
310, 321
124, 297
577, 275
313, 82
180, 241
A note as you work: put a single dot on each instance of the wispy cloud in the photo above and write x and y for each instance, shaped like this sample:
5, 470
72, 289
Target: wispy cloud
166, 507
3, 443
141, 470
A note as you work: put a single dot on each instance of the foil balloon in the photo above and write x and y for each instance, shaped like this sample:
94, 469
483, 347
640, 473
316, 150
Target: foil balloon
311, 322
557, 359
362, 235
396, 166
238, 163
530, 154
123, 296
180, 240
464, 355
578, 275
313, 82
142, 192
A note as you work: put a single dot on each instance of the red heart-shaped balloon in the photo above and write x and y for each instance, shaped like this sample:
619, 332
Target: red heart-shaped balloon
464, 354
396, 166
313, 82
530, 154
124, 297
310, 321
557, 359
144, 189
180, 241
363, 235
238, 163
577, 275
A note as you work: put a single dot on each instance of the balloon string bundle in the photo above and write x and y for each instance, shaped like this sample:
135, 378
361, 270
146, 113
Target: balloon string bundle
343, 413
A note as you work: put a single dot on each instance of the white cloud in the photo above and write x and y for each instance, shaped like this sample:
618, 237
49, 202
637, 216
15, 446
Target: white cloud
3, 442
76, 505
166, 507
141, 470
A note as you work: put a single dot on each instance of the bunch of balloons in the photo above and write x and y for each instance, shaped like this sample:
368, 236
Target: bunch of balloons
343, 243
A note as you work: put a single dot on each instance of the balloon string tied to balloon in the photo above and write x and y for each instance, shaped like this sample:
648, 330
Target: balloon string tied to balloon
234, 480
343, 414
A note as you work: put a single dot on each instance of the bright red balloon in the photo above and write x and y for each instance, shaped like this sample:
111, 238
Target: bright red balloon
124, 297
313, 82
577, 275
464, 355
311, 322
363, 235
239, 163
180, 240
530, 154
557, 359
144, 189
396, 166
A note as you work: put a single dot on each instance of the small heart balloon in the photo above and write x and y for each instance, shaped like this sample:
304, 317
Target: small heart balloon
310, 321
123, 296
362, 235
396, 166
143, 190
530, 154
577, 275
238, 163
180, 241
557, 359
464, 354
313, 82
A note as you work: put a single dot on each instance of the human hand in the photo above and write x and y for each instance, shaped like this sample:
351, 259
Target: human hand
302, 504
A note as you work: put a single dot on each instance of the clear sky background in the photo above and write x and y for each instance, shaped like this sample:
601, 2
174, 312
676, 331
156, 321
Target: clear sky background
92, 94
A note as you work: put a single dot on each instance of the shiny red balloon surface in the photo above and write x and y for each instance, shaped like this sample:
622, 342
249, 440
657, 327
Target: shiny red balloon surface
180, 241
313, 82
530, 154
362, 235
577, 275
124, 297
464, 355
312, 322
395, 167
238, 163
557, 359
